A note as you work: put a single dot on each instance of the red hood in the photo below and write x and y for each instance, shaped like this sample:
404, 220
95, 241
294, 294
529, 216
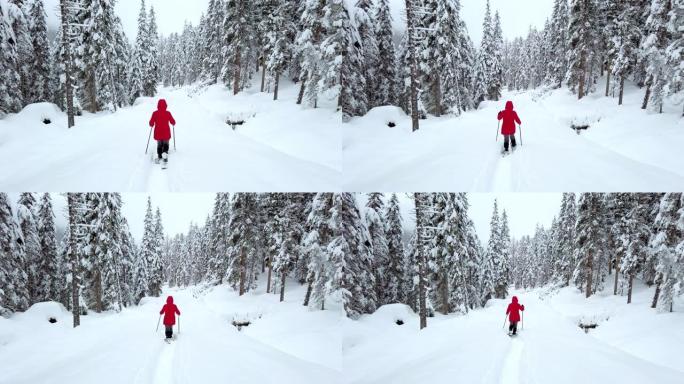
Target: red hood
161, 105
515, 298
169, 300
509, 105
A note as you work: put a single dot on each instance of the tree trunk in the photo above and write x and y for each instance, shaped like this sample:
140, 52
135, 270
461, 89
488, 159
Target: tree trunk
91, 89
307, 297
283, 275
608, 81
236, 73
75, 305
589, 273
647, 96
410, 20
98, 293
629, 289
270, 272
242, 271
276, 85
617, 274
67, 71
437, 95
583, 76
445, 297
654, 303
302, 89
622, 89
263, 74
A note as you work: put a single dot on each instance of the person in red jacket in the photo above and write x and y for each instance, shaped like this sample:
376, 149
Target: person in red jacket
161, 118
513, 312
169, 310
509, 117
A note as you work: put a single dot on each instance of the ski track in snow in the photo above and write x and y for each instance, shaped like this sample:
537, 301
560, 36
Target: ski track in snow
163, 374
510, 373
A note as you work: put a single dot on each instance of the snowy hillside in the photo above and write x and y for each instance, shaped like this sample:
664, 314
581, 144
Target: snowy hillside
285, 342
632, 344
624, 149
281, 147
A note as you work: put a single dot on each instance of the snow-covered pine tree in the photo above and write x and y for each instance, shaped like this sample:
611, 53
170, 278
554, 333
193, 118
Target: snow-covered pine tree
653, 49
496, 71
352, 263
14, 293
40, 65
567, 222
280, 41
384, 92
666, 245
28, 224
346, 44
559, 43
419, 255
49, 285
238, 32
395, 269
141, 56
76, 205
10, 91
496, 255
675, 50
307, 49
315, 247
219, 239
375, 222
24, 49
627, 41
589, 242
151, 78
583, 60
155, 267
504, 263
148, 254
243, 256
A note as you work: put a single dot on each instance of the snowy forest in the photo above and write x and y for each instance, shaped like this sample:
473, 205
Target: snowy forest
443, 267
92, 65
436, 69
248, 236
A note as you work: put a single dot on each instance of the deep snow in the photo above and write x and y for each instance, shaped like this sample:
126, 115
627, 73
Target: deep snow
283, 147
286, 343
632, 344
626, 149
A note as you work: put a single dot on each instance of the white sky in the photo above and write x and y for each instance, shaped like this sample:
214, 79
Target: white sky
516, 16
171, 14
525, 211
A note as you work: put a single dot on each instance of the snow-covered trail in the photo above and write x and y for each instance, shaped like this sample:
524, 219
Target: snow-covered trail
123, 348
105, 152
476, 349
461, 154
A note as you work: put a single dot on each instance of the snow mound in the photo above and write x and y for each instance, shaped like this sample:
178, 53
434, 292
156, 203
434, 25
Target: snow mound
43, 312
394, 313
39, 113
383, 116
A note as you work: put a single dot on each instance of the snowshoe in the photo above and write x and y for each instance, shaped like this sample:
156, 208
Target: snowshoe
156, 160
165, 161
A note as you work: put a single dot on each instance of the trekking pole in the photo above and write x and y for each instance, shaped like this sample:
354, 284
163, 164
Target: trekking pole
521, 142
504, 323
175, 150
522, 313
179, 324
498, 128
148, 141
158, 320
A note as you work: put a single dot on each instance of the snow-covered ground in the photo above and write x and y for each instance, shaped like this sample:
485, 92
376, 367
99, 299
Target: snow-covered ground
632, 344
282, 147
285, 343
625, 149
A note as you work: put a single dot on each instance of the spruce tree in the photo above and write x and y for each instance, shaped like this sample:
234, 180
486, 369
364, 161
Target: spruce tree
10, 91
50, 283
582, 50
14, 293
667, 248
28, 224
40, 65
376, 225
384, 92
395, 268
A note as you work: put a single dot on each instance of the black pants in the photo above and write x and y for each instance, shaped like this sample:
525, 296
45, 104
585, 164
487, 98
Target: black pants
509, 139
513, 327
169, 332
162, 147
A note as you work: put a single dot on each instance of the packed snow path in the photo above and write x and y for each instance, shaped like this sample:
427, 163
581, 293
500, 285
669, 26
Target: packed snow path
475, 348
124, 348
625, 148
282, 147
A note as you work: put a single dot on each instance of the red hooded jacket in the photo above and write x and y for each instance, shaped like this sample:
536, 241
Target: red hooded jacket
160, 121
509, 117
513, 310
169, 310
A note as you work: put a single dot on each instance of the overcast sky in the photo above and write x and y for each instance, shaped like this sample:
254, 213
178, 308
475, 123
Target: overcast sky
525, 211
516, 16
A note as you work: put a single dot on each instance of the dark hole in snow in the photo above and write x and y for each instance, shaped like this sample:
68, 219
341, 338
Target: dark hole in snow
587, 327
580, 128
240, 324
235, 123
391, 124
400, 322
47, 121
52, 320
